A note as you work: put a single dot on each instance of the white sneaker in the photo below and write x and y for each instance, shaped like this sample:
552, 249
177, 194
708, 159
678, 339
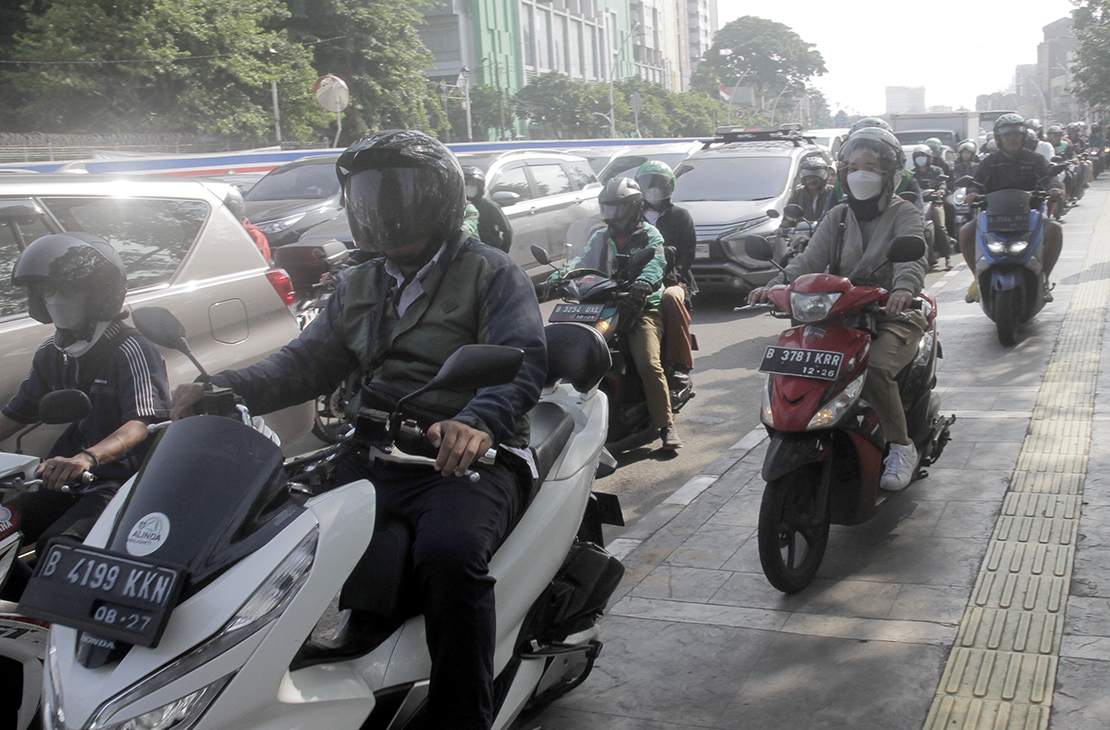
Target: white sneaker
898, 467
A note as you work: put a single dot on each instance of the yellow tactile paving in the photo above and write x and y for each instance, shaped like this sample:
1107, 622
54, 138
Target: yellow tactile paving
1001, 672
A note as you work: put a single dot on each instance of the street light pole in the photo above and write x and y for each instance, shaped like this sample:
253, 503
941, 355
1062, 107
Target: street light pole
466, 101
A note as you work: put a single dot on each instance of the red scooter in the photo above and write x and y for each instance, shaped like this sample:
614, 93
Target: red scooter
826, 453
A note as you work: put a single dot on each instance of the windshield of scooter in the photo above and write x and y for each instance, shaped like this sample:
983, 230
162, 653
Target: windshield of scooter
1008, 211
211, 491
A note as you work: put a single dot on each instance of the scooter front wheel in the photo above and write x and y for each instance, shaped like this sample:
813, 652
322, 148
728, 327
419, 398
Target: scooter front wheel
1005, 309
793, 528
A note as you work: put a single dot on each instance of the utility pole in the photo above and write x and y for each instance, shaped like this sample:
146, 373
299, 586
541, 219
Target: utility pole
466, 101
500, 104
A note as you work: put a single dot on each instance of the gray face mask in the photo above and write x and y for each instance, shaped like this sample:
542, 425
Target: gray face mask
68, 309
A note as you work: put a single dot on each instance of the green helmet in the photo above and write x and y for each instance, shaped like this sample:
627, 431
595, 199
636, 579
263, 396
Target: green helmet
656, 180
934, 145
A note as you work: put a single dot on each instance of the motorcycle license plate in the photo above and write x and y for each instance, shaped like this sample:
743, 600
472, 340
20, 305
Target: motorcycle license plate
108, 595
819, 364
576, 313
701, 250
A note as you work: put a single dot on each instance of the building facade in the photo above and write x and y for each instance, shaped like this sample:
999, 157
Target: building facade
1054, 58
905, 99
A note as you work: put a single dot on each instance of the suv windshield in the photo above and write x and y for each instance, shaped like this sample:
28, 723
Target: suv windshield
315, 180
731, 178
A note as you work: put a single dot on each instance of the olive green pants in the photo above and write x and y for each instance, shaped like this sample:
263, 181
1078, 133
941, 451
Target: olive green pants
893, 349
644, 340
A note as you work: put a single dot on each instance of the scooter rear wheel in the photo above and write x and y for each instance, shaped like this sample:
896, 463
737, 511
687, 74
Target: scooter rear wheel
792, 535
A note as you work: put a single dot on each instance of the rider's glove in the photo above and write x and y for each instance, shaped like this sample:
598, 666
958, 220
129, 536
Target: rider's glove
639, 292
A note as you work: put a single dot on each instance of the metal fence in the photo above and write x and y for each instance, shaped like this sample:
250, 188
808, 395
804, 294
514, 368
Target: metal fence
36, 147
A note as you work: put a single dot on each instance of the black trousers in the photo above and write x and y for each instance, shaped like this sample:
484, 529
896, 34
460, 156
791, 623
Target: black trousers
45, 514
458, 525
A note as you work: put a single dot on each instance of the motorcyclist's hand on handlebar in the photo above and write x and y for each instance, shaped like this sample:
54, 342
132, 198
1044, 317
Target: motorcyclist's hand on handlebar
58, 471
639, 291
459, 445
185, 397
897, 301
761, 295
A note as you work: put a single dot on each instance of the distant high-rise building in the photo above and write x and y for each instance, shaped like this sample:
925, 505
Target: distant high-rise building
1054, 57
701, 27
905, 99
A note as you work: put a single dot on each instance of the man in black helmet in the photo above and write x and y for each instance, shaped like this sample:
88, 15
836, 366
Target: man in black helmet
397, 318
77, 282
494, 228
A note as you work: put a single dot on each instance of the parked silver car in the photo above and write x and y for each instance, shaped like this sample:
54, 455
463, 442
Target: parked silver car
183, 250
550, 200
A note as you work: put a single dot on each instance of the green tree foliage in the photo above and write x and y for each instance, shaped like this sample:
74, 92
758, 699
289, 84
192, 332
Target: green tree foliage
485, 115
1092, 52
766, 54
375, 47
159, 66
568, 109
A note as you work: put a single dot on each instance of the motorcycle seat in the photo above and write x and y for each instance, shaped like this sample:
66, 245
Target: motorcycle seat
552, 426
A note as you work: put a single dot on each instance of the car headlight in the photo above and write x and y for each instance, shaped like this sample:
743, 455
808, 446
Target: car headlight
838, 406
812, 307
279, 225
265, 605
765, 413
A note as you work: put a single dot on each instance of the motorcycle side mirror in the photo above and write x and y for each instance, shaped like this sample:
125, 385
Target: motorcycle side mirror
964, 181
905, 249
165, 330
64, 406
909, 196
479, 366
772, 213
470, 366
1057, 169
793, 211
1056, 158
55, 408
759, 248
505, 198
540, 255
639, 261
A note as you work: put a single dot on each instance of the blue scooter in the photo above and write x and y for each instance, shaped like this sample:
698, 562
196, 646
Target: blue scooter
1009, 263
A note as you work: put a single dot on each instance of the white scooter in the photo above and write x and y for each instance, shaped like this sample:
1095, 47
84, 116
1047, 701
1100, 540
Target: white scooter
190, 603
23, 639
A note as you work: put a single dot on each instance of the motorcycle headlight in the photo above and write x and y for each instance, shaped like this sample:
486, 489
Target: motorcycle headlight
959, 196
812, 307
996, 247
838, 406
765, 413
261, 608
182, 713
280, 224
1017, 247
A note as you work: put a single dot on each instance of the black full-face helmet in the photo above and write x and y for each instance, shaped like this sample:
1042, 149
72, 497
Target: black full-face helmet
622, 204
473, 177
1031, 140
814, 167
401, 187
62, 260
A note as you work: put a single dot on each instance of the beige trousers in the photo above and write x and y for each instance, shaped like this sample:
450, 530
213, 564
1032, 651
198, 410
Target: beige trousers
644, 340
891, 351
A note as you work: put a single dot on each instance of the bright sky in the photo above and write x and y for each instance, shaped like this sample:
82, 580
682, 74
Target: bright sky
869, 45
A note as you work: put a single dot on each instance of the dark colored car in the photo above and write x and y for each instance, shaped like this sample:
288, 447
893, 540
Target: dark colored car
294, 197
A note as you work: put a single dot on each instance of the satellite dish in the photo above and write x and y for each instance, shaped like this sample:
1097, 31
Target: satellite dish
332, 93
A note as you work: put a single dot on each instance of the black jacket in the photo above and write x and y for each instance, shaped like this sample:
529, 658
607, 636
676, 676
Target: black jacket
1023, 171
677, 228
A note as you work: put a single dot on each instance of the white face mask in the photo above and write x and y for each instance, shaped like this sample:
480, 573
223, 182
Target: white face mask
67, 310
921, 161
865, 185
471, 191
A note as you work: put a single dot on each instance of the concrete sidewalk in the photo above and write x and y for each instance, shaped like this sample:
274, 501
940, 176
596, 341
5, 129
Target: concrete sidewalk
978, 598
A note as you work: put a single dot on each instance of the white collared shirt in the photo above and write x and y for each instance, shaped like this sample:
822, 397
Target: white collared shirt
415, 288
